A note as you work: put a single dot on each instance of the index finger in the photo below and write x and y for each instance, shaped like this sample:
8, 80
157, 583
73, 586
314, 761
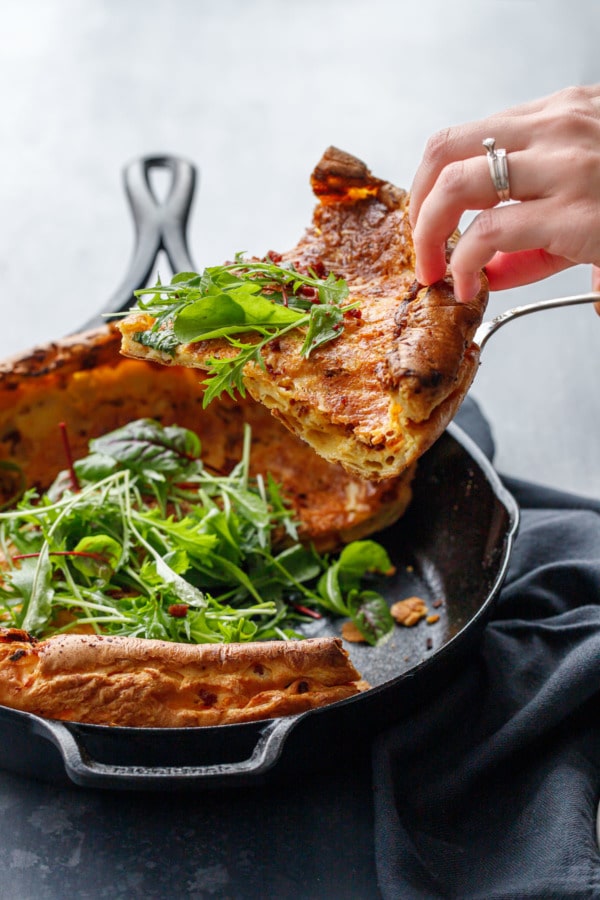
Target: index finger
513, 128
459, 143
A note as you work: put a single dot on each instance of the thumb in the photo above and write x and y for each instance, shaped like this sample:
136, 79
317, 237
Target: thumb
596, 285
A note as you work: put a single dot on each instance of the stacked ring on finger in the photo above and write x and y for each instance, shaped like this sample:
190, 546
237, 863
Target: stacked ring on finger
498, 164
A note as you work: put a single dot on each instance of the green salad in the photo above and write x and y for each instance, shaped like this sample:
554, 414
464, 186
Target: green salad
264, 299
141, 538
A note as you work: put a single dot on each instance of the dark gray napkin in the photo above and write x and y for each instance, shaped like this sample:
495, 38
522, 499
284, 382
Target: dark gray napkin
491, 790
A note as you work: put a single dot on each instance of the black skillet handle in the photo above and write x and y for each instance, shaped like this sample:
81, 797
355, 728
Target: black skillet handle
87, 772
159, 225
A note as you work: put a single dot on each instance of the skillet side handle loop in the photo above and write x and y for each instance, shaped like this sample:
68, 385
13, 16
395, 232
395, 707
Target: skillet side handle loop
87, 772
159, 225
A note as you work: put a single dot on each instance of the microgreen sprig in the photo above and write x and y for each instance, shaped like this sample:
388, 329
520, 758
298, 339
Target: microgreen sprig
264, 298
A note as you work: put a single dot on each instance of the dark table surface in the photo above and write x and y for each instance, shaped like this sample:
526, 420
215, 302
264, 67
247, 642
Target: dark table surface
308, 838
252, 93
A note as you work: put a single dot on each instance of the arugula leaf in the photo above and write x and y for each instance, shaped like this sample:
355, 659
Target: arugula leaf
227, 374
184, 591
280, 508
326, 323
182, 277
35, 586
187, 534
333, 291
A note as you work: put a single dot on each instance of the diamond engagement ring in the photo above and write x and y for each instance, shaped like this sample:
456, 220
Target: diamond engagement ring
498, 163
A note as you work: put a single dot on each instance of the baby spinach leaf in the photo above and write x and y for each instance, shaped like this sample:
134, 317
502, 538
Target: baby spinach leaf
371, 615
97, 556
95, 466
162, 339
330, 592
241, 310
340, 589
145, 446
360, 558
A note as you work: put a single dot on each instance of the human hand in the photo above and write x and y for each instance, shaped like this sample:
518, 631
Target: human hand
553, 152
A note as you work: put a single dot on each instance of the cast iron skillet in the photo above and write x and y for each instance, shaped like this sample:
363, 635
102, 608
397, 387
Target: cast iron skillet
452, 549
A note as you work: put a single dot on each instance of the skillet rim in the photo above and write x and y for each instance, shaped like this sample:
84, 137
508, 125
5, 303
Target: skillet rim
506, 500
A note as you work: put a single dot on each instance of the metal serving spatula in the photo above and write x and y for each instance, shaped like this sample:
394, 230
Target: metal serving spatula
489, 327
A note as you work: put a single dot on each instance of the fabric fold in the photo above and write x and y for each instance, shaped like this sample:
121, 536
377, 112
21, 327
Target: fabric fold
490, 791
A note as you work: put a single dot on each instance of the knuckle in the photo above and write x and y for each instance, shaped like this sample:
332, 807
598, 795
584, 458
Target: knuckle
578, 239
436, 149
577, 120
485, 228
574, 95
585, 164
452, 179
572, 116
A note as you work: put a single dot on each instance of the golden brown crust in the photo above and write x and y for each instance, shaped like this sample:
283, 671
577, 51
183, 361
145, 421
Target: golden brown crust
84, 382
377, 397
144, 683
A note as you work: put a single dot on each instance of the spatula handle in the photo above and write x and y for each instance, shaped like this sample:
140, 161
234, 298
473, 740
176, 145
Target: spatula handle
490, 327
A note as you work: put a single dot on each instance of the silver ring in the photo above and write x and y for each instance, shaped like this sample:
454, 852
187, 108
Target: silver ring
498, 163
